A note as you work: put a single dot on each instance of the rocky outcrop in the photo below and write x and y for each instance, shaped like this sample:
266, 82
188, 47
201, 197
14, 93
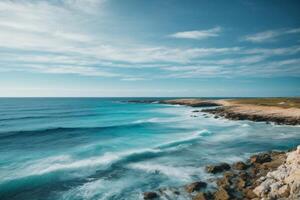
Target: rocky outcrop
192, 102
284, 182
217, 168
230, 113
196, 186
186, 102
150, 195
240, 179
271, 175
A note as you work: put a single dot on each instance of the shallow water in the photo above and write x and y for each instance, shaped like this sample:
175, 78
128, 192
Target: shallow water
81, 148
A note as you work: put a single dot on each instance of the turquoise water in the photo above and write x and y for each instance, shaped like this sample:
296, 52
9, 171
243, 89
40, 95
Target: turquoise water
81, 148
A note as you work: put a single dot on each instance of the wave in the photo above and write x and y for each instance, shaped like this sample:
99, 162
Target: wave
185, 140
113, 159
58, 130
51, 116
183, 174
156, 120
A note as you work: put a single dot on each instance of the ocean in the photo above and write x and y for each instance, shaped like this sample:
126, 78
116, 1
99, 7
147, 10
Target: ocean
107, 148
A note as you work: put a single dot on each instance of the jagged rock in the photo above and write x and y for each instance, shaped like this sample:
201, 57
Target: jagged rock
217, 168
221, 194
260, 158
150, 195
284, 182
240, 166
196, 186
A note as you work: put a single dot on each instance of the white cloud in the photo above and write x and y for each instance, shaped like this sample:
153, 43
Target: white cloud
38, 36
269, 36
198, 34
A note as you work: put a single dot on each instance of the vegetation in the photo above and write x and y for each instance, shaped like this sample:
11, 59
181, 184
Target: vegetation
279, 102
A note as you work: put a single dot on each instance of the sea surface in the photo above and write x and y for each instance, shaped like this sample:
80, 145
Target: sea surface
102, 148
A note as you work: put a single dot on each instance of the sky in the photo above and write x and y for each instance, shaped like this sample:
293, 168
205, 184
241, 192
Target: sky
149, 48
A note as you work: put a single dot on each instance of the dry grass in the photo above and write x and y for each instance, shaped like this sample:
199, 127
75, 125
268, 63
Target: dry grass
278, 102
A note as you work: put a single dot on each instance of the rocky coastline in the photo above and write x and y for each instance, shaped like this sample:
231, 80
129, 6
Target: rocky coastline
279, 111
270, 175
229, 113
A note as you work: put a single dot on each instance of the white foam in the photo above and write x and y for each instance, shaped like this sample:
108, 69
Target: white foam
156, 120
245, 125
66, 162
185, 138
174, 172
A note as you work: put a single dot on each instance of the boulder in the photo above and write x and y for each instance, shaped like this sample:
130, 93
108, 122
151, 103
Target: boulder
196, 186
221, 194
150, 195
260, 158
240, 166
217, 168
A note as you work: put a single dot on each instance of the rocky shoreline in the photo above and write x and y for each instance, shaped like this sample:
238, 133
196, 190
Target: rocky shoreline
185, 102
240, 109
270, 175
228, 113
267, 176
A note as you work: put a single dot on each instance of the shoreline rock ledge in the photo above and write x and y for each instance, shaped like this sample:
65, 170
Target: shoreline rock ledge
284, 182
266, 176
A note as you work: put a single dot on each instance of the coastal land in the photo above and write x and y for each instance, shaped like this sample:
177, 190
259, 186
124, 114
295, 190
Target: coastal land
277, 110
268, 175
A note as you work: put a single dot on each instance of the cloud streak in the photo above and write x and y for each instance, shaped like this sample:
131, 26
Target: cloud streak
198, 34
40, 37
269, 36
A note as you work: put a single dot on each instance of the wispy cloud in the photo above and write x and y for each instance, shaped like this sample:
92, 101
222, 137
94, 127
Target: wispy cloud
54, 38
198, 34
269, 36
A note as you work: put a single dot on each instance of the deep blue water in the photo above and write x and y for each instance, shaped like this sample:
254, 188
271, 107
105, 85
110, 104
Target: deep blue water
93, 148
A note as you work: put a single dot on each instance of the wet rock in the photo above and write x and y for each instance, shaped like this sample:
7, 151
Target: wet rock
240, 166
196, 186
217, 168
221, 194
196, 111
176, 192
150, 195
260, 158
224, 182
240, 184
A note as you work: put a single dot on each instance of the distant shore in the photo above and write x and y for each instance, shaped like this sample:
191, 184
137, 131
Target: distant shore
285, 111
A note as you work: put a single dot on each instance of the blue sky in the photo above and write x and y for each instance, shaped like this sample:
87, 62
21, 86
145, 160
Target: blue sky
149, 48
